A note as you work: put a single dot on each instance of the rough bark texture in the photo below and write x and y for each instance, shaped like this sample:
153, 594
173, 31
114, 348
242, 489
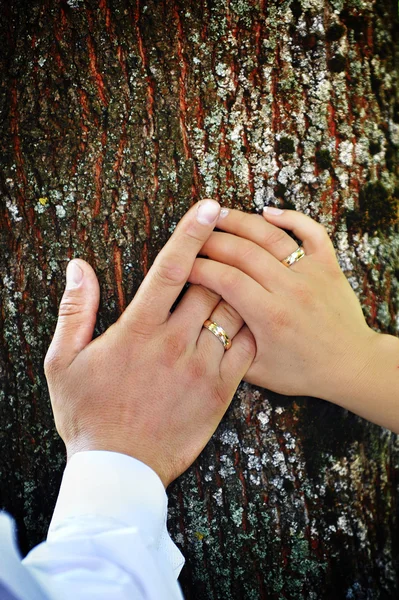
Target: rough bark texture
117, 115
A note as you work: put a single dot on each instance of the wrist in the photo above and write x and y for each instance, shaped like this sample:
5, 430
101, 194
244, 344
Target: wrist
367, 381
341, 365
353, 366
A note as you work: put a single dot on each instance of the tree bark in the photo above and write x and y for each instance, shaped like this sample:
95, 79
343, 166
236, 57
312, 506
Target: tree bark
117, 115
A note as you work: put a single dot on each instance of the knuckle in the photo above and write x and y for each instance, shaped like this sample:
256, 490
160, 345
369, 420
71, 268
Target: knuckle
69, 306
302, 292
275, 237
247, 253
141, 330
242, 219
207, 295
174, 347
229, 314
191, 232
248, 345
221, 395
229, 279
197, 369
170, 273
52, 363
280, 318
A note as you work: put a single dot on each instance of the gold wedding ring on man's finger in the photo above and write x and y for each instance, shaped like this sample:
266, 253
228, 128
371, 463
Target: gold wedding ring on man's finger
219, 332
294, 257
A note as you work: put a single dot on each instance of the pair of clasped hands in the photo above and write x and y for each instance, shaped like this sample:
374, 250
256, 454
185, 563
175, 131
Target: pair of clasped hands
156, 384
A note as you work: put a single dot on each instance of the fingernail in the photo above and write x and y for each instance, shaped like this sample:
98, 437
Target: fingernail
271, 210
223, 213
74, 275
207, 211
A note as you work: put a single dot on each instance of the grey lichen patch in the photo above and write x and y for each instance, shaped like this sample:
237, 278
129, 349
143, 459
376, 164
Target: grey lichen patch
384, 316
244, 10
346, 153
60, 211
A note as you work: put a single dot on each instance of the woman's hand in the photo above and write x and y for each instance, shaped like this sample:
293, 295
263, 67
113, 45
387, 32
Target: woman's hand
307, 322
155, 385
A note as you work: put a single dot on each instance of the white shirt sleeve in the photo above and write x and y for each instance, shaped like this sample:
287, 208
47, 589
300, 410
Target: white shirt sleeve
108, 538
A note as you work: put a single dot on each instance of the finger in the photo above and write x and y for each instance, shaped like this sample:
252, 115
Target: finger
258, 230
76, 317
244, 294
314, 236
224, 316
193, 309
171, 268
246, 256
234, 365
237, 361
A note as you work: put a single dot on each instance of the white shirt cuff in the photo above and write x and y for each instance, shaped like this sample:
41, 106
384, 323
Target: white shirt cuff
115, 488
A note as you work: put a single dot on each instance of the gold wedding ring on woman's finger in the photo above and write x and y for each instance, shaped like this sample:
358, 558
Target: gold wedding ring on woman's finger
294, 257
219, 332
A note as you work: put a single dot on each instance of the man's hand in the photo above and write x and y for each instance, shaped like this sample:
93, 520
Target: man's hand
155, 385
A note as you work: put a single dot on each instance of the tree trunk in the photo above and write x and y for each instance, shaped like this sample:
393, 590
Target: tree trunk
117, 115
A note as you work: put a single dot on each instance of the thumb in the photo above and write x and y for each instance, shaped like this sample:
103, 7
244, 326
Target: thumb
76, 316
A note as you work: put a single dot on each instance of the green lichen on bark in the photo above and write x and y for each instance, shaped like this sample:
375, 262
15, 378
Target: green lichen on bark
116, 116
